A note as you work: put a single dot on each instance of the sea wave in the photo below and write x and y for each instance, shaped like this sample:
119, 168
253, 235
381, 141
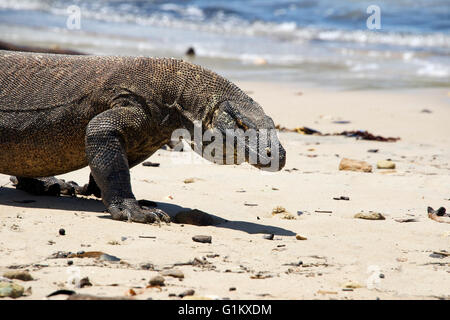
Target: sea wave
226, 21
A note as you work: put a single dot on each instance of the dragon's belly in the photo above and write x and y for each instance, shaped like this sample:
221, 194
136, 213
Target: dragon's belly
41, 145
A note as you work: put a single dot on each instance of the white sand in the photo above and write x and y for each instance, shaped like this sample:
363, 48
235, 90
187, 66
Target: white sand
339, 248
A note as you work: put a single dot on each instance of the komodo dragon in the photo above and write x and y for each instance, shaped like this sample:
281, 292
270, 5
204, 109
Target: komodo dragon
60, 113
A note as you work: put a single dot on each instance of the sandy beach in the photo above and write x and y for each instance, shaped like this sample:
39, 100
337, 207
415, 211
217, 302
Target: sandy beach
341, 258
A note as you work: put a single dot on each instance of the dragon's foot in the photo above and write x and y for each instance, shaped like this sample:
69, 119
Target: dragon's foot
49, 186
130, 210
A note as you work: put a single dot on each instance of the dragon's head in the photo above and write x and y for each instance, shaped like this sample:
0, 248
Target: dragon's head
239, 131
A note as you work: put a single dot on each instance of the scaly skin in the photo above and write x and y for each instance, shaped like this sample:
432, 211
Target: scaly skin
60, 113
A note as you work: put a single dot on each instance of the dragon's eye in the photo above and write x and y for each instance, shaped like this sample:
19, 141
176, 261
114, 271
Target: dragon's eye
241, 124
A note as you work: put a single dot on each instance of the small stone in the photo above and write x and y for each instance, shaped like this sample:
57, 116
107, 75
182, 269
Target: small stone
150, 164
62, 231
250, 204
278, 209
385, 164
354, 165
370, 216
189, 180
157, 281
440, 212
288, 216
437, 255
202, 239
85, 283
268, 236
18, 275
107, 257
381, 275
175, 273
351, 285
147, 266
186, 293
11, 290
402, 220
299, 237
70, 262
232, 289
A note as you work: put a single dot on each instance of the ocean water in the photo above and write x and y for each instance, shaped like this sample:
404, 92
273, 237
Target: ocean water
323, 42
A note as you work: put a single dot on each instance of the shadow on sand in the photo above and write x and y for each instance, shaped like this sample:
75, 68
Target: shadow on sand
17, 198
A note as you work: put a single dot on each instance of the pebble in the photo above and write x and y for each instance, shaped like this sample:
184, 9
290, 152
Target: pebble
11, 290
150, 164
268, 236
351, 285
108, 257
62, 231
370, 216
385, 164
186, 293
70, 262
437, 255
19, 275
341, 198
157, 281
278, 209
147, 266
232, 289
354, 165
176, 273
299, 237
202, 239
85, 283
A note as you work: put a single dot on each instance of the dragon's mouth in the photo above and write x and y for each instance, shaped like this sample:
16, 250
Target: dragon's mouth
264, 151
269, 156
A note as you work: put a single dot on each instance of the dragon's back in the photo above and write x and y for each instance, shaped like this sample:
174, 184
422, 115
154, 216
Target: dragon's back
33, 81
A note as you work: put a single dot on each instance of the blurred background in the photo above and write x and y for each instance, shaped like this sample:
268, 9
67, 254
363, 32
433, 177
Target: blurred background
323, 42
